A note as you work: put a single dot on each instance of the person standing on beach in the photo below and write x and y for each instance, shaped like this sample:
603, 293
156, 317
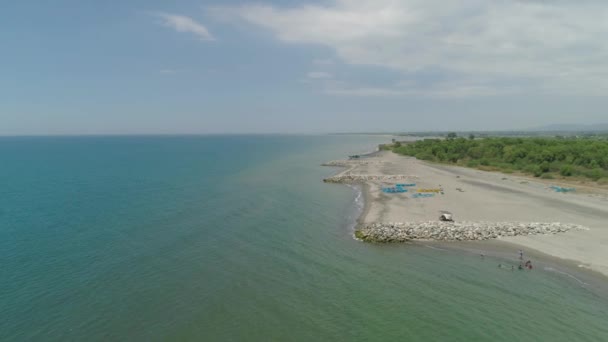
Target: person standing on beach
521, 254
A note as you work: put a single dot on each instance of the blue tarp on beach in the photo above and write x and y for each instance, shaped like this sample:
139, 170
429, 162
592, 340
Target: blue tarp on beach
398, 188
560, 189
393, 190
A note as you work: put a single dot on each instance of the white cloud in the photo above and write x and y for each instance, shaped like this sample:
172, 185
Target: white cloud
513, 45
319, 75
323, 61
182, 23
440, 89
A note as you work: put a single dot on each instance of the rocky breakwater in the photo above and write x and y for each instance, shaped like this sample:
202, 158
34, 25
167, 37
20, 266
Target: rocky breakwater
356, 178
456, 231
347, 163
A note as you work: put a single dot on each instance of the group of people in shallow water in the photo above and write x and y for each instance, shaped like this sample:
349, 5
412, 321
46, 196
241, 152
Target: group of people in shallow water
522, 265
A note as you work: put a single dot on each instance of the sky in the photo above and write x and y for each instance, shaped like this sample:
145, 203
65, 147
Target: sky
198, 67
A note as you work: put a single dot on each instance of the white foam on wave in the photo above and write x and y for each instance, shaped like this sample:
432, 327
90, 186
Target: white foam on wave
359, 201
358, 205
551, 269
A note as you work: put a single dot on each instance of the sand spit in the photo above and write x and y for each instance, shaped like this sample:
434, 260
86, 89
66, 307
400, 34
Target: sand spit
483, 204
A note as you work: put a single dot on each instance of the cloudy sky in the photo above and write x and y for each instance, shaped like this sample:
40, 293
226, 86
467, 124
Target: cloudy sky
147, 66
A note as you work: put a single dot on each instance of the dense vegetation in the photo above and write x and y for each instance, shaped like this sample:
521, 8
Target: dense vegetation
541, 157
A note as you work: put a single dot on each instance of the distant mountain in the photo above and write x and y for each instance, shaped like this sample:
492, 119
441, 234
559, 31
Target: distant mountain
571, 128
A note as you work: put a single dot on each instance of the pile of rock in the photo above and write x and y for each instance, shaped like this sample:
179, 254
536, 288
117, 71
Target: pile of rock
351, 178
346, 163
456, 231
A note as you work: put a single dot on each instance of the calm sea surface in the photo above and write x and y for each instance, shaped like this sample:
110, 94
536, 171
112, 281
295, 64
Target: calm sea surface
235, 238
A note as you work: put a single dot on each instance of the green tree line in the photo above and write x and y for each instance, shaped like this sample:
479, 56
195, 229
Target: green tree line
541, 157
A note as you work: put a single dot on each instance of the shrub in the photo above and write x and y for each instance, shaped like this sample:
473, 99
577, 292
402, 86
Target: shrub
546, 176
566, 171
567, 157
545, 167
504, 166
595, 174
425, 156
453, 158
472, 163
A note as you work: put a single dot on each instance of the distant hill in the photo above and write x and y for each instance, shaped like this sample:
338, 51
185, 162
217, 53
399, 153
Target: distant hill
571, 128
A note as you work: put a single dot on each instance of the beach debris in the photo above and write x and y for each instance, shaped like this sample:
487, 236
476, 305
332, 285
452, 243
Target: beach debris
430, 190
422, 195
561, 189
459, 189
457, 231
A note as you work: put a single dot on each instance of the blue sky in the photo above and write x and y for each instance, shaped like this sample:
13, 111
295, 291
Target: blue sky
93, 67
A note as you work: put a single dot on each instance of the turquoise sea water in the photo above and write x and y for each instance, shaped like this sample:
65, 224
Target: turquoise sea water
235, 238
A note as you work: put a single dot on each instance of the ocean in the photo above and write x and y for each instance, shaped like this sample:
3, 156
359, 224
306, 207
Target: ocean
236, 238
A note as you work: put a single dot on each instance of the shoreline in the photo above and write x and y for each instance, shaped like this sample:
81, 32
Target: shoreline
378, 207
504, 250
505, 253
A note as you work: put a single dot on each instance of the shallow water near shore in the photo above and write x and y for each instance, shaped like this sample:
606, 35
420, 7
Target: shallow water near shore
237, 238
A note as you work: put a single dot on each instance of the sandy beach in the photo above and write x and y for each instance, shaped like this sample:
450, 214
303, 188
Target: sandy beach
480, 196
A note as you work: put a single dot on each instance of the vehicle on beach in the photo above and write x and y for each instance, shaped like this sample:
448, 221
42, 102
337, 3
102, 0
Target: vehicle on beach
446, 217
